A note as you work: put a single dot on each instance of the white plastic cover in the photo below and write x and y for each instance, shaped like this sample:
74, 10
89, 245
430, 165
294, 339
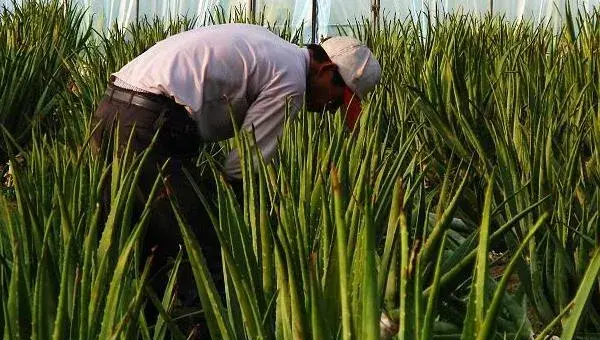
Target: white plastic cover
330, 12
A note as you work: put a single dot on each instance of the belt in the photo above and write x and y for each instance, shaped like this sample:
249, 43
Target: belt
138, 99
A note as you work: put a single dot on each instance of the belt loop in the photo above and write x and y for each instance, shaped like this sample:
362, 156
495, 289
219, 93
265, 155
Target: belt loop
130, 99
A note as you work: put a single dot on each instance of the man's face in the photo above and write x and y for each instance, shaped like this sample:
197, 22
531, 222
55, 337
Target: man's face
322, 92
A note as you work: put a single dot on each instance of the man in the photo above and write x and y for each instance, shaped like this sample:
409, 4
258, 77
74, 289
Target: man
192, 84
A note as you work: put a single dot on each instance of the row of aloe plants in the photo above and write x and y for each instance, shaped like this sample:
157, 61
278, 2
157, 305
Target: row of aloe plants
325, 246
297, 260
491, 122
520, 99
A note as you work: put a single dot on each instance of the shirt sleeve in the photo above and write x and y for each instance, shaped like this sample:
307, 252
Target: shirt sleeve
266, 116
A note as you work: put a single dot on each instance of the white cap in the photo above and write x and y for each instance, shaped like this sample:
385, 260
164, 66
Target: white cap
356, 64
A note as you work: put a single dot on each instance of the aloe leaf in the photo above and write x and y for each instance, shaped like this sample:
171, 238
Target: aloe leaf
492, 311
588, 282
477, 304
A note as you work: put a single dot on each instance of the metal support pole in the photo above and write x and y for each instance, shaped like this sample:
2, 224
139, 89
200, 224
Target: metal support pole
252, 10
375, 7
491, 7
137, 11
314, 22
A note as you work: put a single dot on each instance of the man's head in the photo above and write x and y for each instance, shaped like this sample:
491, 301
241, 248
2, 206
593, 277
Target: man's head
342, 71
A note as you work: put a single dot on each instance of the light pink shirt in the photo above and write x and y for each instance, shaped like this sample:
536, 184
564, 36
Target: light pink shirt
238, 70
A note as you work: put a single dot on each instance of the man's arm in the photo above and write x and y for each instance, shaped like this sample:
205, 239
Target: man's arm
266, 116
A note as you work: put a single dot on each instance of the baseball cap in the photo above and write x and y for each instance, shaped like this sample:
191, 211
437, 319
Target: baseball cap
359, 69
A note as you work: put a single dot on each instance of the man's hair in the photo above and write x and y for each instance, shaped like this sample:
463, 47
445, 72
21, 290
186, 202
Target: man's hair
319, 54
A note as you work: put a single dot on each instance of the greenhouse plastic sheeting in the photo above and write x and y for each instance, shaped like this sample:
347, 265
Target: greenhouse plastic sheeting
330, 12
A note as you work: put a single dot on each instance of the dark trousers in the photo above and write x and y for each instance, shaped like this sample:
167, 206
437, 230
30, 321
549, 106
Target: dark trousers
179, 142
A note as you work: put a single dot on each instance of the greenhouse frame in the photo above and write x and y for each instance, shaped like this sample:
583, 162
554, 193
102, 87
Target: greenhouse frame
320, 17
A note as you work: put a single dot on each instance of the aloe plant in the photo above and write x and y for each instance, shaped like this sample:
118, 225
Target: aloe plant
38, 40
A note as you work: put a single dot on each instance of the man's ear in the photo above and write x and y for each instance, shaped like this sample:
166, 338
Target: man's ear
327, 66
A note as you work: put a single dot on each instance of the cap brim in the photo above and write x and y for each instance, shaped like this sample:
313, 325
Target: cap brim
352, 106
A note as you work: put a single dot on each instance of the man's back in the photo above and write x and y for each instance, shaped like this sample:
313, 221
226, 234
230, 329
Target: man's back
218, 70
